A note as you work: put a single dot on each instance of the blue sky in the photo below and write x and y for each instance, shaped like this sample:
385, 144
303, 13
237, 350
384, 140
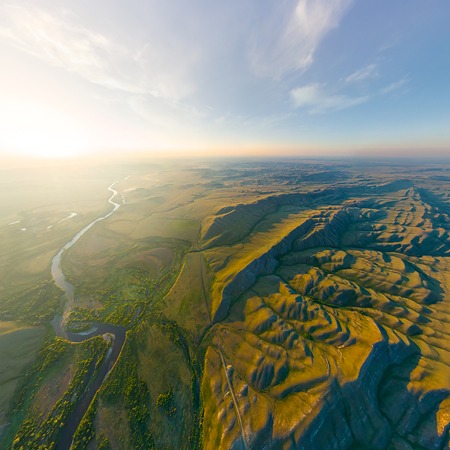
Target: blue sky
298, 77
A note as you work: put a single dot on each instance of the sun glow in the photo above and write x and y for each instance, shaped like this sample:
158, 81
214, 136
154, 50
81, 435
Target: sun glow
38, 130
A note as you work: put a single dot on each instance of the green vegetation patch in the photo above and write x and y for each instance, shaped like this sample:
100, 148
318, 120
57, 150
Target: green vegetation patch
37, 417
125, 389
19, 347
166, 402
151, 398
163, 227
134, 284
165, 366
188, 301
34, 306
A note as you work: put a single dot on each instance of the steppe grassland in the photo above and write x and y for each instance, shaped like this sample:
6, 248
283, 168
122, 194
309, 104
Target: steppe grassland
188, 300
19, 346
335, 329
227, 261
160, 363
152, 364
165, 207
398, 285
143, 235
156, 225
111, 422
132, 247
101, 252
36, 203
163, 366
34, 225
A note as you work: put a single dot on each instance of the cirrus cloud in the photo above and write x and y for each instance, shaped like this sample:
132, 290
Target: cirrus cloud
316, 100
395, 86
365, 73
287, 39
60, 40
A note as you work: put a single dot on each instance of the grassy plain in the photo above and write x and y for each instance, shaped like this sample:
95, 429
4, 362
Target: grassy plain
19, 346
163, 367
37, 200
188, 302
36, 220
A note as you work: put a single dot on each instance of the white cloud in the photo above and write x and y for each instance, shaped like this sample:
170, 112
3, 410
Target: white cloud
394, 86
61, 43
367, 72
316, 100
59, 40
288, 37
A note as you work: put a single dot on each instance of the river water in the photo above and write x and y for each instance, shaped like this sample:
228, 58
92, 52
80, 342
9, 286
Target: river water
72, 421
118, 334
57, 272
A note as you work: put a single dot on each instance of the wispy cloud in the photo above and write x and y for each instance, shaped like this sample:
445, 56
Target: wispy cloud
316, 100
59, 40
394, 86
365, 73
61, 43
288, 37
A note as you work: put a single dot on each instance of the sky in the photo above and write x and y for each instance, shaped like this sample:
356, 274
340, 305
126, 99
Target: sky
243, 77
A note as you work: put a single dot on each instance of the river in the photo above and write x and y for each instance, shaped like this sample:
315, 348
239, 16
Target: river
57, 272
118, 333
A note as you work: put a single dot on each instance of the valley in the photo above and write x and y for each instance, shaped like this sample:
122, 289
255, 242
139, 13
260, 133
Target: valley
264, 304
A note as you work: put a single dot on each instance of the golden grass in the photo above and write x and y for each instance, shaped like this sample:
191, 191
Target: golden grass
100, 252
188, 300
227, 261
319, 318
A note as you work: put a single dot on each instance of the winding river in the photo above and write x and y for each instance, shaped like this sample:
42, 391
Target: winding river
57, 272
118, 333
